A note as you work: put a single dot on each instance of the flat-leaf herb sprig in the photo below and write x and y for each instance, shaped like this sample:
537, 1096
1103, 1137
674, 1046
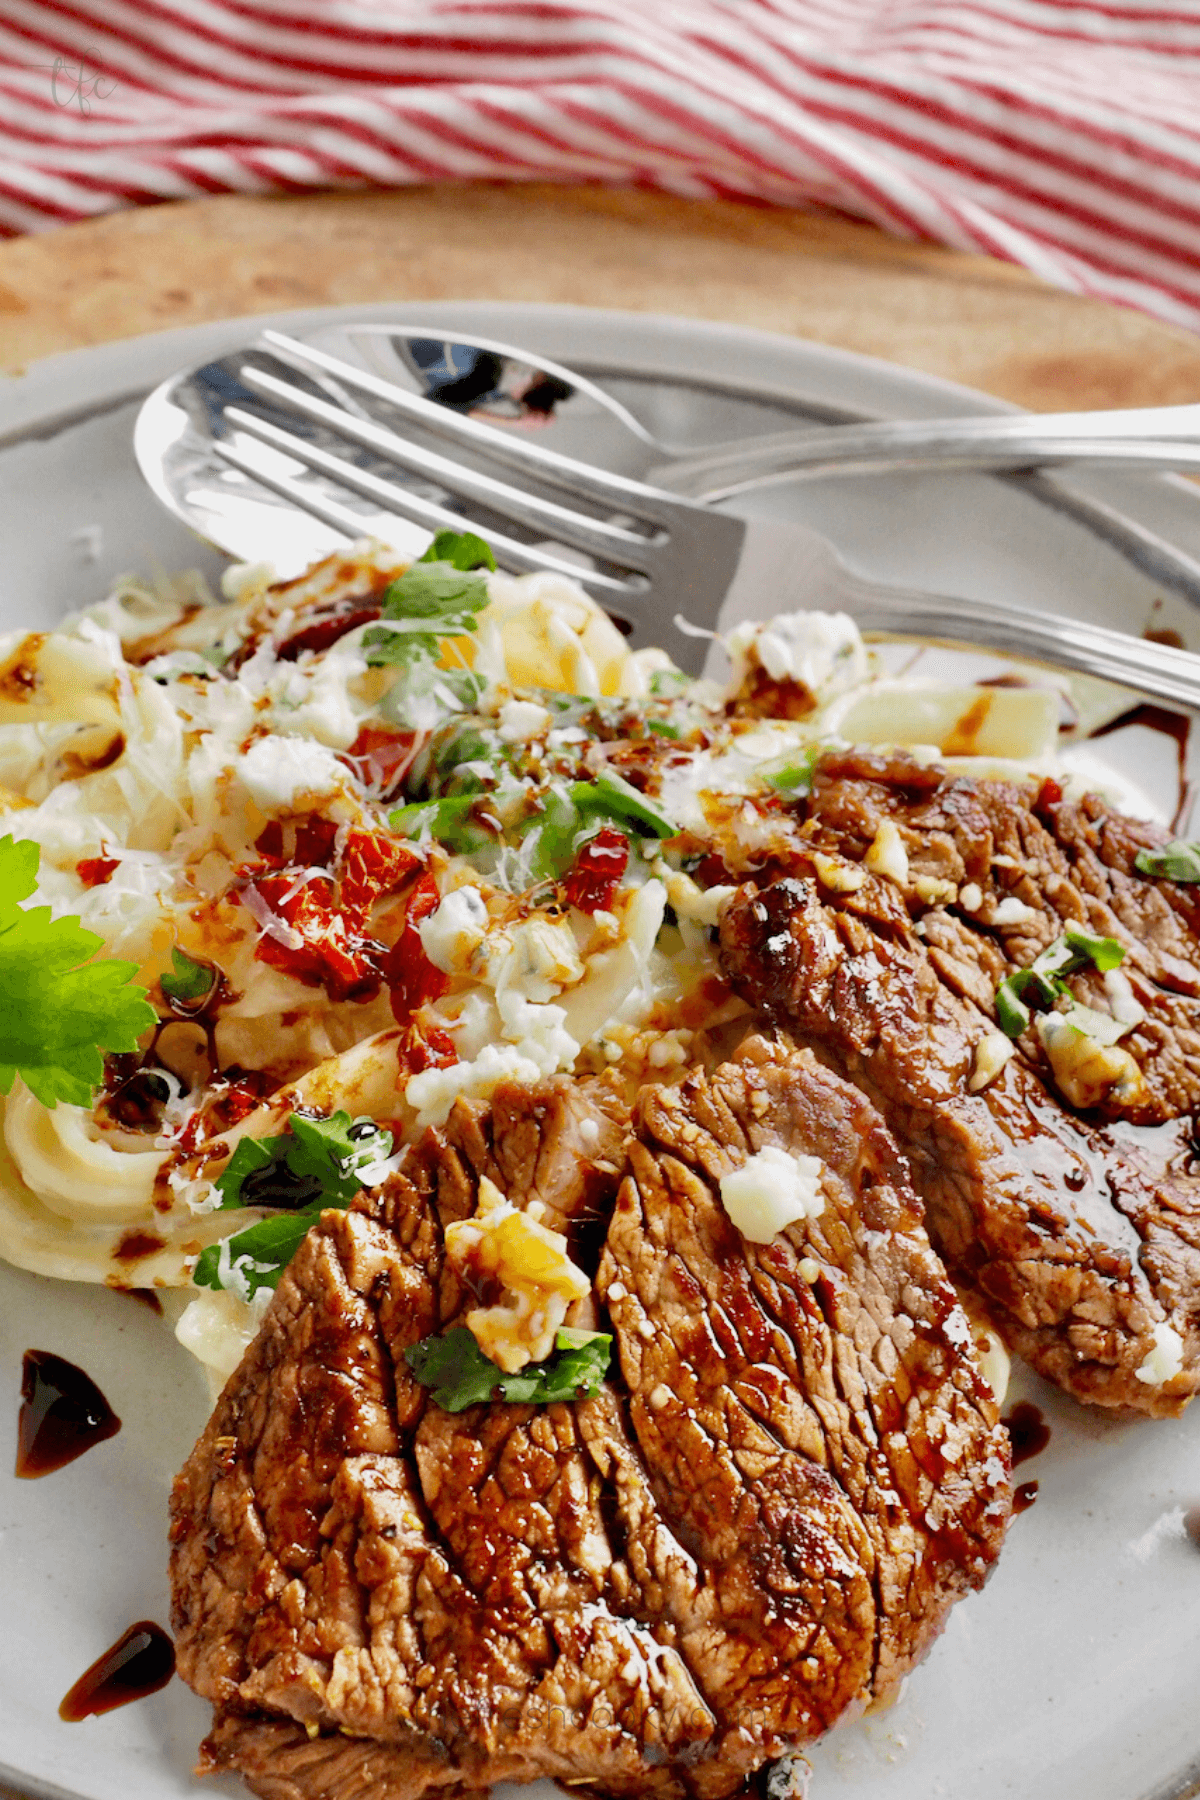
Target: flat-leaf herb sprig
313, 1165
60, 1010
459, 1375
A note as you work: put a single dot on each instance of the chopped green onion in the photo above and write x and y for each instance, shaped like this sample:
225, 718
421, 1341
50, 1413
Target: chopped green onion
1012, 1014
1176, 861
1069, 953
614, 797
1105, 952
792, 774
449, 822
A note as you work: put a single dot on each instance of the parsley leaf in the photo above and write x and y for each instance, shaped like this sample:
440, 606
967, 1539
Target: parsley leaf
1070, 952
570, 815
459, 1375
462, 549
429, 602
314, 1164
190, 981
1176, 861
58, 1009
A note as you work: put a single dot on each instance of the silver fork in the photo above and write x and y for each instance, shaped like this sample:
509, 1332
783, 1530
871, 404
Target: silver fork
668, 571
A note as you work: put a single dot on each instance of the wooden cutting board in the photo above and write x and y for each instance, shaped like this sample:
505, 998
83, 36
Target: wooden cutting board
813, 275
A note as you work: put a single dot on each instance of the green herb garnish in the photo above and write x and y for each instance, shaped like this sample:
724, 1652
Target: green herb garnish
461, 549
1176, 861
1044, 979
317, 1164
190, 981
792, 774
571, 815
59, 1010
439, 596
449, 822
459, 1375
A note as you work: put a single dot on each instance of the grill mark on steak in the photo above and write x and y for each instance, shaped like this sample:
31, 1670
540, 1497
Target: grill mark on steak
653, 1596
1084, 1232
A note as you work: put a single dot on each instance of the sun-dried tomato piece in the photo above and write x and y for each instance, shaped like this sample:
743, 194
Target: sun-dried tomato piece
370, 866
411, 977
328, 954
94, 871
425, 1047
1049, 794
330, 624
231, 1098
380, 758
303, 843
594, 877
711, 871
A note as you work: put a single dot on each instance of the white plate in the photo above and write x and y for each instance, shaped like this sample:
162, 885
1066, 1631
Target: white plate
1072, 1677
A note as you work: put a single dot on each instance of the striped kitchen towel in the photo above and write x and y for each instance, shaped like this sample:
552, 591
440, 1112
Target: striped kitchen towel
1060, 134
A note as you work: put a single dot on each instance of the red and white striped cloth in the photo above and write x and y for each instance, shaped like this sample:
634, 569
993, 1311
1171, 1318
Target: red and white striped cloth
1060, 134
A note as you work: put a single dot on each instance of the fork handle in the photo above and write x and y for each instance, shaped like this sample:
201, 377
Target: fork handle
1158, 670
801, 569
1162, 437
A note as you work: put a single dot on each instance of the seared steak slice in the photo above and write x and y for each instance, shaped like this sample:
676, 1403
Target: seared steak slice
1065, 863
755, 1525
808, 1410
1082, 1233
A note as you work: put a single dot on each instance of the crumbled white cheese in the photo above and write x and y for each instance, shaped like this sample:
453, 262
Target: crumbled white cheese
532, 1265
451, 932
1087, 1071
433, 1092
1011, 911
836, 874
820, 651
690, 901
537, 1031
1165, 1361
887, 855
1125, 1006
522, 720
770, 1191
934, 890
670, 1050
970, 897
535, 959
276, 771
991, 1053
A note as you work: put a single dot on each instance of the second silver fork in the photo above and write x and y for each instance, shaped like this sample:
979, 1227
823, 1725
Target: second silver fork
322, 434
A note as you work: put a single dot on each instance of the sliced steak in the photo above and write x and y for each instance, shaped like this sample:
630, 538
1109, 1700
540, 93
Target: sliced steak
755, 1525
1081, 1231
